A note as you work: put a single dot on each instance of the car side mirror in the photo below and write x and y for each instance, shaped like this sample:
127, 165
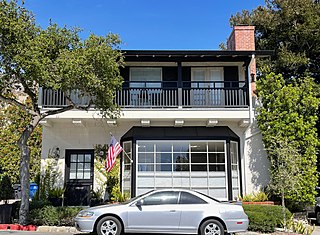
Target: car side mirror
139, 203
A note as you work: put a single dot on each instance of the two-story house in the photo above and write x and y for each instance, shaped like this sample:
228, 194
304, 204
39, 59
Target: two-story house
187, 121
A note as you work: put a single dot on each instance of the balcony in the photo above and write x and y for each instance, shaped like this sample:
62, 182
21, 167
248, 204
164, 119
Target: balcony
233, 94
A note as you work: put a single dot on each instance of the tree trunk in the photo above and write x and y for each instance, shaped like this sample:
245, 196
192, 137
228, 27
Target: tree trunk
284, 212
25, 170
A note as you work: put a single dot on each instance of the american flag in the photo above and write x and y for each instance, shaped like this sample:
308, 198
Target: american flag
113, 151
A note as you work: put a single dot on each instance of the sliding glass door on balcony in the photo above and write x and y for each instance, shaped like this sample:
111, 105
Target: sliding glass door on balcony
207, 87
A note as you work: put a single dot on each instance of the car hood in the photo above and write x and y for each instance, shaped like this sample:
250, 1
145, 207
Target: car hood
104, 206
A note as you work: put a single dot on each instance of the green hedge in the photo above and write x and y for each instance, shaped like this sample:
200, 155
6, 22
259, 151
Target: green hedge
265, 218
54, 216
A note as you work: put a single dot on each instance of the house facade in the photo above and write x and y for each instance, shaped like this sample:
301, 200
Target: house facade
187, 121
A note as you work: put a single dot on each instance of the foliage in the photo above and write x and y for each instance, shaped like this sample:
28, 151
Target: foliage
265, 218
56, 192
287, 119
291, 28
6, 190
300, 226
108, 180
56, 58
255, 197
12, 122
48, 180
54, 216
118, 196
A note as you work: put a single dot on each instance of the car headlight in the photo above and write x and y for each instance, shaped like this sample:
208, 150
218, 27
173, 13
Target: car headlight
85, 214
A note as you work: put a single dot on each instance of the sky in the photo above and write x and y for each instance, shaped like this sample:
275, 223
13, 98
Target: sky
147, 24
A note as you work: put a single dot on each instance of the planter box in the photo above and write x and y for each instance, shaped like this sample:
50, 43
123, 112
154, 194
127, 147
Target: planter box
5, 213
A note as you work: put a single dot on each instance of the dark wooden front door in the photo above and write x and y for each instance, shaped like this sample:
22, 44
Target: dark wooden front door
78, 177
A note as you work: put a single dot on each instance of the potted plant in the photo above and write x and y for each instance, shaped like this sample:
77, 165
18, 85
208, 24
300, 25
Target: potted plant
6, 193
56, 196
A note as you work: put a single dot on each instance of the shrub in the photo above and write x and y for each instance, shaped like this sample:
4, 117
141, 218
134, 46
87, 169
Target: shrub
265, 218
6, 190
255, 197
53, 216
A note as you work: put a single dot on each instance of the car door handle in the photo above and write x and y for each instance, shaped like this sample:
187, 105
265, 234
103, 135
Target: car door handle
172, 211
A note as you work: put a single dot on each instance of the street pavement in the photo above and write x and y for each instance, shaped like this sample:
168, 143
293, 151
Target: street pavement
12, 232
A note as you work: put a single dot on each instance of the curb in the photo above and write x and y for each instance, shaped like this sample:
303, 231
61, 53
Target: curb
57, 229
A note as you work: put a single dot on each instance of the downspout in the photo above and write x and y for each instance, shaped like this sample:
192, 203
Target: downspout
250, 90
244, 177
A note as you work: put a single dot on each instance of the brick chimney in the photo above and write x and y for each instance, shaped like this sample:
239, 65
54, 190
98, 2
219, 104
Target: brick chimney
242, 39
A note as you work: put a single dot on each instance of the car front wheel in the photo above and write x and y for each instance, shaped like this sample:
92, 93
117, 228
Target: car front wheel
211, 227
109, 226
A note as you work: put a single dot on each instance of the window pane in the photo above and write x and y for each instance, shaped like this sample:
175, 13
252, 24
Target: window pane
87, 166
80, 157
72, 175
188, 198
80, 175
146, 167
163, 167
180, 147
127, 147
86, 175
163, 147
73, 166
73, 158
145, 146
216, 167
181, 157
198, 158
163, 158
145, 74
198, 147
80, 166
88, 158
198, 167
216, 146
181, 167
216, 158
145, 158
161, 198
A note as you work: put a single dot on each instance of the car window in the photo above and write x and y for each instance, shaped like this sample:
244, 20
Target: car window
161, 198
188, 198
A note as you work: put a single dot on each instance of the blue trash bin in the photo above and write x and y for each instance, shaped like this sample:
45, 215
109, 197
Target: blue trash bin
33, 189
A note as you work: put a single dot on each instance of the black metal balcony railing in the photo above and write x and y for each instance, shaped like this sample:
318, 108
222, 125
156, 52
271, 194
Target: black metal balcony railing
163, 95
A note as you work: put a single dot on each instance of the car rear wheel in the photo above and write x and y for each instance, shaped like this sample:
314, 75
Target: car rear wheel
211, 227
318, 217
109, 225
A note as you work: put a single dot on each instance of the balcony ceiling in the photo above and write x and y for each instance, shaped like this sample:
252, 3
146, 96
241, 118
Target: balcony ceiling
193, 55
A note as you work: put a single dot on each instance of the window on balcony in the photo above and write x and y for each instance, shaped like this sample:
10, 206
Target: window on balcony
145, 83
207, 86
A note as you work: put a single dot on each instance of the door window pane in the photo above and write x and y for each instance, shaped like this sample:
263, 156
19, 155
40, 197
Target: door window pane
88, 158
198, 147
216, 147
161, 198
146, 158
216, 157
80, 158
198, 158
73, 158
163, 158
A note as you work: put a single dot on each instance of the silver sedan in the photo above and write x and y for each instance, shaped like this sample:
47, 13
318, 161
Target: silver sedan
171, 211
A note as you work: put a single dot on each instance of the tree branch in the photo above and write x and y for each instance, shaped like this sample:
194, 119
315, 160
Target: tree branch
56, 111
17, 103
31, 94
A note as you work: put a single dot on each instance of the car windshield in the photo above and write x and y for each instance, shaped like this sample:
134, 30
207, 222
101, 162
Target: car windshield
135, 198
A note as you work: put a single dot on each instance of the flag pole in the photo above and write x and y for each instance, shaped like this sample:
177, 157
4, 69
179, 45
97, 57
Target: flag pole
131, 161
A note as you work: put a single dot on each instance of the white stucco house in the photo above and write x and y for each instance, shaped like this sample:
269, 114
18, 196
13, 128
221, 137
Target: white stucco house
187, 120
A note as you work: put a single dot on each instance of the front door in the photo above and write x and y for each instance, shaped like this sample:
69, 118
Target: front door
78, 177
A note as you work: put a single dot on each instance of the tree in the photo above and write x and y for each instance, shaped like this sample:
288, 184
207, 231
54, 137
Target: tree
288, 113
55, 58
285, 173
12, 121
291, 29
